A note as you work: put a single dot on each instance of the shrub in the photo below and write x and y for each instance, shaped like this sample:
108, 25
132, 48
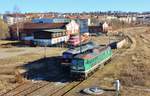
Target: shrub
4, 30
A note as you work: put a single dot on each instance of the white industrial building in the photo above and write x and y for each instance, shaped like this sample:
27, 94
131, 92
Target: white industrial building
11, 19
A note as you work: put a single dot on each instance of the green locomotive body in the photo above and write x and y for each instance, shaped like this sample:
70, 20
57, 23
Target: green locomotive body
84, 64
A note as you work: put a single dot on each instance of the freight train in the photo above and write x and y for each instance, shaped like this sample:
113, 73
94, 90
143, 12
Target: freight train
82, 65
70, 53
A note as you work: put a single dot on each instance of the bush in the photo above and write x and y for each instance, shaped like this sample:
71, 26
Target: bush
116, 24
4, 30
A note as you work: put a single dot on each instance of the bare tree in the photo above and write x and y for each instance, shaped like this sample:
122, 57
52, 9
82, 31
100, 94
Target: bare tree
16, 12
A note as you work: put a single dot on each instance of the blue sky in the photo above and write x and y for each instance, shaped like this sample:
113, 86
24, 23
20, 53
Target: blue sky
74, 5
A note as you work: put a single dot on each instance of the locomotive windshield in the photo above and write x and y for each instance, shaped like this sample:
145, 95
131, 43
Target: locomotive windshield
67, 55
77, 64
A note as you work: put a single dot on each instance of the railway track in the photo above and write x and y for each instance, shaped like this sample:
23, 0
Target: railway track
52, 89
29, 87
66, 89
46, 88
22, 90
3, 93
43, 88
71, 88
17, 89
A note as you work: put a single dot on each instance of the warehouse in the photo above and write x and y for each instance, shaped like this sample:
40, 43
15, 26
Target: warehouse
38, 32
27, 29
50, 37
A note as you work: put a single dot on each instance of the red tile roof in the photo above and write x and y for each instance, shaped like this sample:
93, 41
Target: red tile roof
41, 25
16, 15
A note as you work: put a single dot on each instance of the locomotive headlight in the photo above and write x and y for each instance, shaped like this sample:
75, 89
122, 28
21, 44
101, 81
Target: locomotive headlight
73, 67
80, 68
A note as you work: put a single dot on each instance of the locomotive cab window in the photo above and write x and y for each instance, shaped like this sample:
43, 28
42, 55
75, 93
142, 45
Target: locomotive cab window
80, 65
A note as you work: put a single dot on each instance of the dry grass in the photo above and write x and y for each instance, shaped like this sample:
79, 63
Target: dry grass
132, 69
129, 73
147, 30
9, 65
7, 42
134, 75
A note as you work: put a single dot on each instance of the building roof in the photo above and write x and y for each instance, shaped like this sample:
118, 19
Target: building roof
41, 26
54, 30
16, 15
85, 47
93, 54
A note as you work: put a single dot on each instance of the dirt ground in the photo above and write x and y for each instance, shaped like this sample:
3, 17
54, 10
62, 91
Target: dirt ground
130, 65
13, 57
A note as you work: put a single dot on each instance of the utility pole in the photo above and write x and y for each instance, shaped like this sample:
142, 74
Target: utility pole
17, 26
108, 40
80, 41
45, 46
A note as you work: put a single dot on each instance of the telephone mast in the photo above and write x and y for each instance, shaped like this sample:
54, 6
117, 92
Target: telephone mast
80, 41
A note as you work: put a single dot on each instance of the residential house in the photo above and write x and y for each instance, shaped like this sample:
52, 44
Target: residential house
11, 19
105, 27
83, 23
143, 19
72, 28
127, 19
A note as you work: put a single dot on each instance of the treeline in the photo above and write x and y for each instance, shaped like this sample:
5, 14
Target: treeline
117, 13
116, 24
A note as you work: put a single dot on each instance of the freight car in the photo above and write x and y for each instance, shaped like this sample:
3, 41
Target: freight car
70, 53
83, 65
75, 40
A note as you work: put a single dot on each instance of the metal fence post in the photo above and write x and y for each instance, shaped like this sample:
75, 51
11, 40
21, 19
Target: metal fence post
117, 87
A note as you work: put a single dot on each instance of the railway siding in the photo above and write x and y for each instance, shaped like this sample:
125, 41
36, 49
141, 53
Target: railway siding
34, 87
50, 88
17, 89
47, 89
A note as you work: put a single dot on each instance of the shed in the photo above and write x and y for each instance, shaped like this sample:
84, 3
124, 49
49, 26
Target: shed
27, 29
50, 37
49, 33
